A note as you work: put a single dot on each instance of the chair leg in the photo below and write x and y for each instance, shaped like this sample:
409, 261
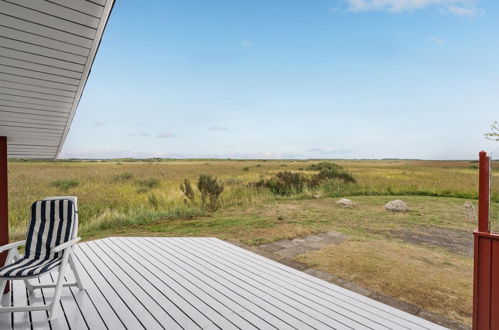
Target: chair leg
3, 282
59, 284
29, 287
75, 272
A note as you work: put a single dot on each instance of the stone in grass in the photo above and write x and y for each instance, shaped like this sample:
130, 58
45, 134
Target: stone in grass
396, 206
469, 211
345, 202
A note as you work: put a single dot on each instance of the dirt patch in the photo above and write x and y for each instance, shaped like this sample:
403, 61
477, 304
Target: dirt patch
289, 248
459, 242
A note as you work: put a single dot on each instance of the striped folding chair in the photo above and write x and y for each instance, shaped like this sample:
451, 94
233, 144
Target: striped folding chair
52, 233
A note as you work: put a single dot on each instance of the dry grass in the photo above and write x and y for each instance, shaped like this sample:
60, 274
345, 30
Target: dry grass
110, 192
106, 201
250, 231
435, 280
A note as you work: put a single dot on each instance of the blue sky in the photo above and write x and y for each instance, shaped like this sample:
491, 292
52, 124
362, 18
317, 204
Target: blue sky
292, 79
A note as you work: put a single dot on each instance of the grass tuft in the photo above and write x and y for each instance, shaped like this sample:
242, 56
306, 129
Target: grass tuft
122, 177
65, 185
149, 183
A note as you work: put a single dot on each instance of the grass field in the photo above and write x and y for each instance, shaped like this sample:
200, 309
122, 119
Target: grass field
422, 256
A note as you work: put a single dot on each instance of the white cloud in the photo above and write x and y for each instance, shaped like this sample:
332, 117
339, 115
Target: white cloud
465, 11
217, 129
457, 7
437, 40
166, 135
247, 43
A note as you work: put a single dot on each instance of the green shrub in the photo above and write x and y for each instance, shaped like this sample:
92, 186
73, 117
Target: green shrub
324, 166
150, 183
330, 174
246, 168
328, 171
287, 183
65, 184
210, 188
122, 177
188, 191
284, 183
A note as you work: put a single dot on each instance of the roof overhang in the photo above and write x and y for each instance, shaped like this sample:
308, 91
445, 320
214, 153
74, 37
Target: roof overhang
46, 53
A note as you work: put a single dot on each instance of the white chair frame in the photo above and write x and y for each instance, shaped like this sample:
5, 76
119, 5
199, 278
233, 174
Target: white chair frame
67, 257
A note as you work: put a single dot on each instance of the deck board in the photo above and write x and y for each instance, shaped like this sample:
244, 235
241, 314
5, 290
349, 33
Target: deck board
112, 291
273, 300
85, 306
212, 293
206, 311
371, 317
45, 296
129, 292
189, 312
202, 282
286, 293
102, 308
265, 310
6, 320
197, 283
158, 300
21, 320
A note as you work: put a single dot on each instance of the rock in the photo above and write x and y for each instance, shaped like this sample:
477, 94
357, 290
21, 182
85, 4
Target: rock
396, 206
345, 202
469, 211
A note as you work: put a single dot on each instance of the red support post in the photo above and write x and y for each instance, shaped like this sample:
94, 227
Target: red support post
484, 193
4, 201
486, 258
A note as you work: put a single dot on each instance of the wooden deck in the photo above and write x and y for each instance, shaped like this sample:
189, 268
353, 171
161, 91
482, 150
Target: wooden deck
193, 283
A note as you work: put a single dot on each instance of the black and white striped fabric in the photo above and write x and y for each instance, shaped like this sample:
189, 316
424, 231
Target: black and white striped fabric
51, 225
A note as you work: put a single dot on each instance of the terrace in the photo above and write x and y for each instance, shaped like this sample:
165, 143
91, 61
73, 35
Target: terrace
190, 283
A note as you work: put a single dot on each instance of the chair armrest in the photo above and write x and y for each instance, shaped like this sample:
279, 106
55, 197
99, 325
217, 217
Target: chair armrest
11, 246
64, 246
